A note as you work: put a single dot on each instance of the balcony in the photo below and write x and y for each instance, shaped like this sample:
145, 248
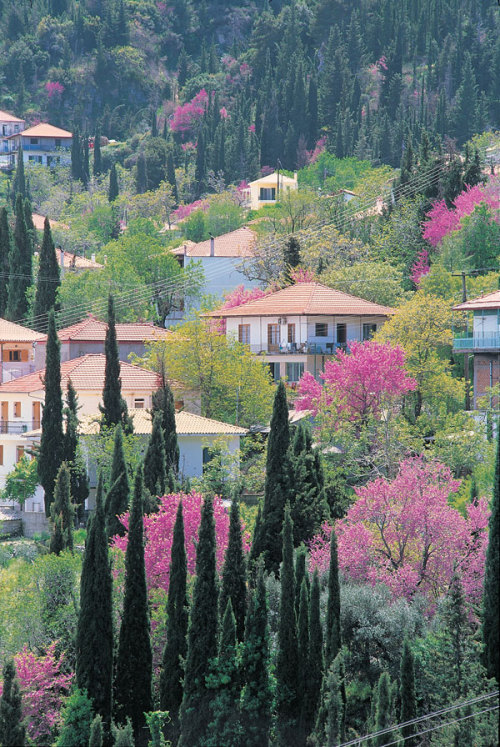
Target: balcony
297, 348
468, 341
18, 427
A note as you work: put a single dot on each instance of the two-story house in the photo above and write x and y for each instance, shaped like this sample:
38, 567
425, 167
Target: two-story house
43, 144
299, 327
17, 350
267, 189
482, 341
9, 125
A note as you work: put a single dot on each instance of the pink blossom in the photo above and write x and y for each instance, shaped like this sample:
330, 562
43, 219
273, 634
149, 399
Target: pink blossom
54, 89
318, 149
183, 211
223, 112
382, 62
245, 68
187, 115
241, 295
421, 267
302, 275
251, 128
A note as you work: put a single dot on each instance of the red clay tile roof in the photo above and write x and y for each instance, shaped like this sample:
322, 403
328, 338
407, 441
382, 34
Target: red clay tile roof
6, 117
10, 332
87, 374
39, 220
488, 301
307, 299
77, 262
93, 330
44, 129
237, 243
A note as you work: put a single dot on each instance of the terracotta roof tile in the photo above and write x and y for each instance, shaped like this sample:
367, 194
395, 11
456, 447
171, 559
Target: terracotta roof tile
94, 330
307, 299
44, 129
488, 301
77, 262
6, 117
39, 220
10, 332
239, 243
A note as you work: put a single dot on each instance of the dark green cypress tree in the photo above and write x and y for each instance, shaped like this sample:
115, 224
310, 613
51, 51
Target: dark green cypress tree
76, 155
20, 265
287, 656
155, 476
12, 730
175, 650
314, 675
85, 160
48, 280
134, 663
5, 250
94, 637
97, 167
163, 401
19, 181
300, 575
333, 640
309, 506
96, 738
141, 178
62, 513
291, 256
117, 499
234, 572
491, 606
113, 189
383, 710
303, 658
473, 172
407, 694
114, 408
330, 722
201, 166
79, 484
171, 176
51, 442
202, 636
267, 535
256, 694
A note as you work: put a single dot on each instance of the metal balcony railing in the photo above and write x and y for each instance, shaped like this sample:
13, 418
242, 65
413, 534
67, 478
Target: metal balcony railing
470, 341
17, 427
297, 348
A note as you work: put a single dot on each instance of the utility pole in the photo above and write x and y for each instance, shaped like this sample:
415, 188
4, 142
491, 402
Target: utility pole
466, 355
278, 165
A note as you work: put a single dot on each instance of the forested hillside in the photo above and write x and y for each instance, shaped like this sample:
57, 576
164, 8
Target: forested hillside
242, 84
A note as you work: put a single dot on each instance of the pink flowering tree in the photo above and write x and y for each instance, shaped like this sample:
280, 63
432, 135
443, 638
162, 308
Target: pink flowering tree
442, 220
358, 384
241, 295
404, 534
54, 89
43, 688
187, 116
421, 267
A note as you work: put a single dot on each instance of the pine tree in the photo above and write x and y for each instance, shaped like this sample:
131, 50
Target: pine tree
141, 179
314, 675
96, 732
267, 535
303, 657
79, 485
175, 650
491, 606
256, 694
94, 637
48, 280
62, 513
163, 401
51, 442
114, 408
234, 573
202, 636
333, 640
97, 168
5, 251
407, 694
155, 476
309, 506
134, 662
19, 181
113, 189
117, 499
12, 730
287, 656
20, 265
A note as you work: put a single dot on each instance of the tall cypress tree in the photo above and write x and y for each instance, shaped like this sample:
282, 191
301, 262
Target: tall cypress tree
267, 535
407, 693
202, 635
5, 250
300, 575
163, 401
97, 168
51, 442
62, 512
333, 640
114, 408
287, 656
117, 499
383, 710
330, 725
141, 178
48, 280
314, 676
20, 265
94, 637
491, 605
154, 462
175, 650
19, 181
171, 176
79, 484
303, 658
76, 155
134, 664
113, 189
309, 506
256, 695
291, 255
12, 730
85, 160
234, 572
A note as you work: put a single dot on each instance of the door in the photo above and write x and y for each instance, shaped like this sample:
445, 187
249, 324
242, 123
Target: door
4, 417
36, 415
273, 337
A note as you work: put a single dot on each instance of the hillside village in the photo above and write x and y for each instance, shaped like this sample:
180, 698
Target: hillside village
249, 373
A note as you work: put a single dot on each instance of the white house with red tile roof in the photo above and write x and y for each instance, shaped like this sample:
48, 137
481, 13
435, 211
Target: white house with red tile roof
17, 350
42, 144
299, 327
9, 125
89, 335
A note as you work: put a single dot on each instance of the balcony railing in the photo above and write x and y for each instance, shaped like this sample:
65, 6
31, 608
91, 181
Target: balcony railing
470, 341
17, 427
297, 348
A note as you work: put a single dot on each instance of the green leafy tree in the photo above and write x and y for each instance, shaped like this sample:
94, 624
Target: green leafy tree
154, 461
62, 513
94, 637
117, 499
277, 487
134, 663
5, 250
21, 482
77, 720
491, 605
20, 265
48, 280
51, 442
407, 694
202, 636
174, 653
234, 572
114, 408
12, 730
79, 484
163, 402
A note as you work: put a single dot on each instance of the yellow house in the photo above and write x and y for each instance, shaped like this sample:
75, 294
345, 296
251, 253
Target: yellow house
266, 190
17, 346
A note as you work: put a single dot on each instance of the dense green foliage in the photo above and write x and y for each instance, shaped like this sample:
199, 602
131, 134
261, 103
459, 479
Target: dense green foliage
62, 513
163, 402
79, 484
117, 499
155, 475
47, 281
491, 605
20, 263
233, 586
12, 730
114, 408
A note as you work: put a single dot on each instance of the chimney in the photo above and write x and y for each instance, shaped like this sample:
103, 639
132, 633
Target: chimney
295, 176
92, 257
212, 246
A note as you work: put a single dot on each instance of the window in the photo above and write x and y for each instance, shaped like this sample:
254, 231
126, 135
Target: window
267, 193
244, 333
273, 336
58, 142
294, 371
291, 333
275, 371
368, 331
341, 334
33, 141
321, 329
139, 403
1, 454
14, 355
19, 453
17, 409
207, 457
